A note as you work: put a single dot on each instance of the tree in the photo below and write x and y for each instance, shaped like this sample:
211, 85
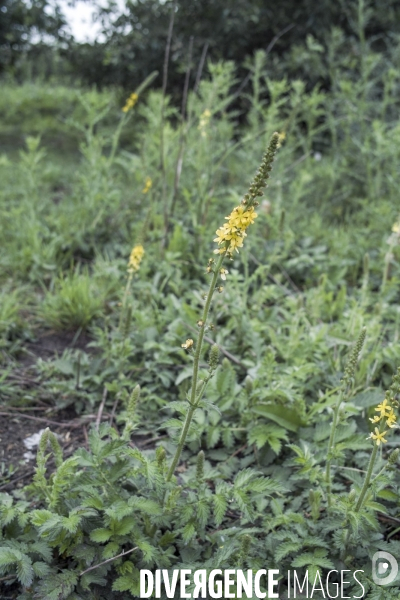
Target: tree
24, 25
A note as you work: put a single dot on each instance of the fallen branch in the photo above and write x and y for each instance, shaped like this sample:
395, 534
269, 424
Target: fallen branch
108, 560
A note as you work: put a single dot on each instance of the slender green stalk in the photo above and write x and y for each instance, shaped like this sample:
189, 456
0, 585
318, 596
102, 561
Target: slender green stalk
345, 389
330, 448
124, 301
362, 493
195, 396
367, 478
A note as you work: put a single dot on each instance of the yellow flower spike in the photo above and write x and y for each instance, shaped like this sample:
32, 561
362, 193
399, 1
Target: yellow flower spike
396, 227
130, 103
135, 258
378, 437
188, 344
384, 408
232, 233
147, 185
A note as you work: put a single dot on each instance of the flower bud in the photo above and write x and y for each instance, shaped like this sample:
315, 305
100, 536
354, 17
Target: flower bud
55, 446
199, 386
244, 549
132, 403
394, 456
248, 384
213, 358
353, 358
200, 466
44, 438
160, 456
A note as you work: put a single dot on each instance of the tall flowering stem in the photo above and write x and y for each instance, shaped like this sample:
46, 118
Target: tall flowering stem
383, 421
343, 394
229, 238
386, 418
135, 259
196, 395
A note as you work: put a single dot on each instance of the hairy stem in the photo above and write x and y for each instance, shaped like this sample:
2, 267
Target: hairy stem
124, 301
367, 478
362, 494
194, 397
331, 444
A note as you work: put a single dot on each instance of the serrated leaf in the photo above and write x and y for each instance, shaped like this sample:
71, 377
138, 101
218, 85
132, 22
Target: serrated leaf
71, 523
41, 569
100, 535
213, 435
220, 507
189, 531
388, 495
110, 550
283, 415
59, 586
125, 526
124, 583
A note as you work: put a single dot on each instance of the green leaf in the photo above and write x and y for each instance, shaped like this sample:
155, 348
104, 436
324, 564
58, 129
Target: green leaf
124, 583
41, 569
110, 550
283, 415
388, 495
100, 535
71, 523
189, 531
220, 506
125, 526
58, 587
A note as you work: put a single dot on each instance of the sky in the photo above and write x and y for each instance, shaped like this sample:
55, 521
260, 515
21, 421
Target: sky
80, 20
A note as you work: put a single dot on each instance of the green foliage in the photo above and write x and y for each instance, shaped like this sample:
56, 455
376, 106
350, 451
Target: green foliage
74, 303
286, 394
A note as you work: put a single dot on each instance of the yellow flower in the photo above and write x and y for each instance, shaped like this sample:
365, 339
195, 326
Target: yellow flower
378, 437
281, 138
222, 233
135, 258
188, 344
391, 420
242, 218
384, 408
147, 185
203, 122
223, 273
376, 419
130, 103
396, 227
232, 233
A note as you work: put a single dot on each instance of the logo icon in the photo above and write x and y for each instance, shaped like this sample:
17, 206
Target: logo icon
384, 568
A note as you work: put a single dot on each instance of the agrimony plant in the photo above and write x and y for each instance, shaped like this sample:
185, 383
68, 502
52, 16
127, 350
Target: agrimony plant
230, 238
345, 388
